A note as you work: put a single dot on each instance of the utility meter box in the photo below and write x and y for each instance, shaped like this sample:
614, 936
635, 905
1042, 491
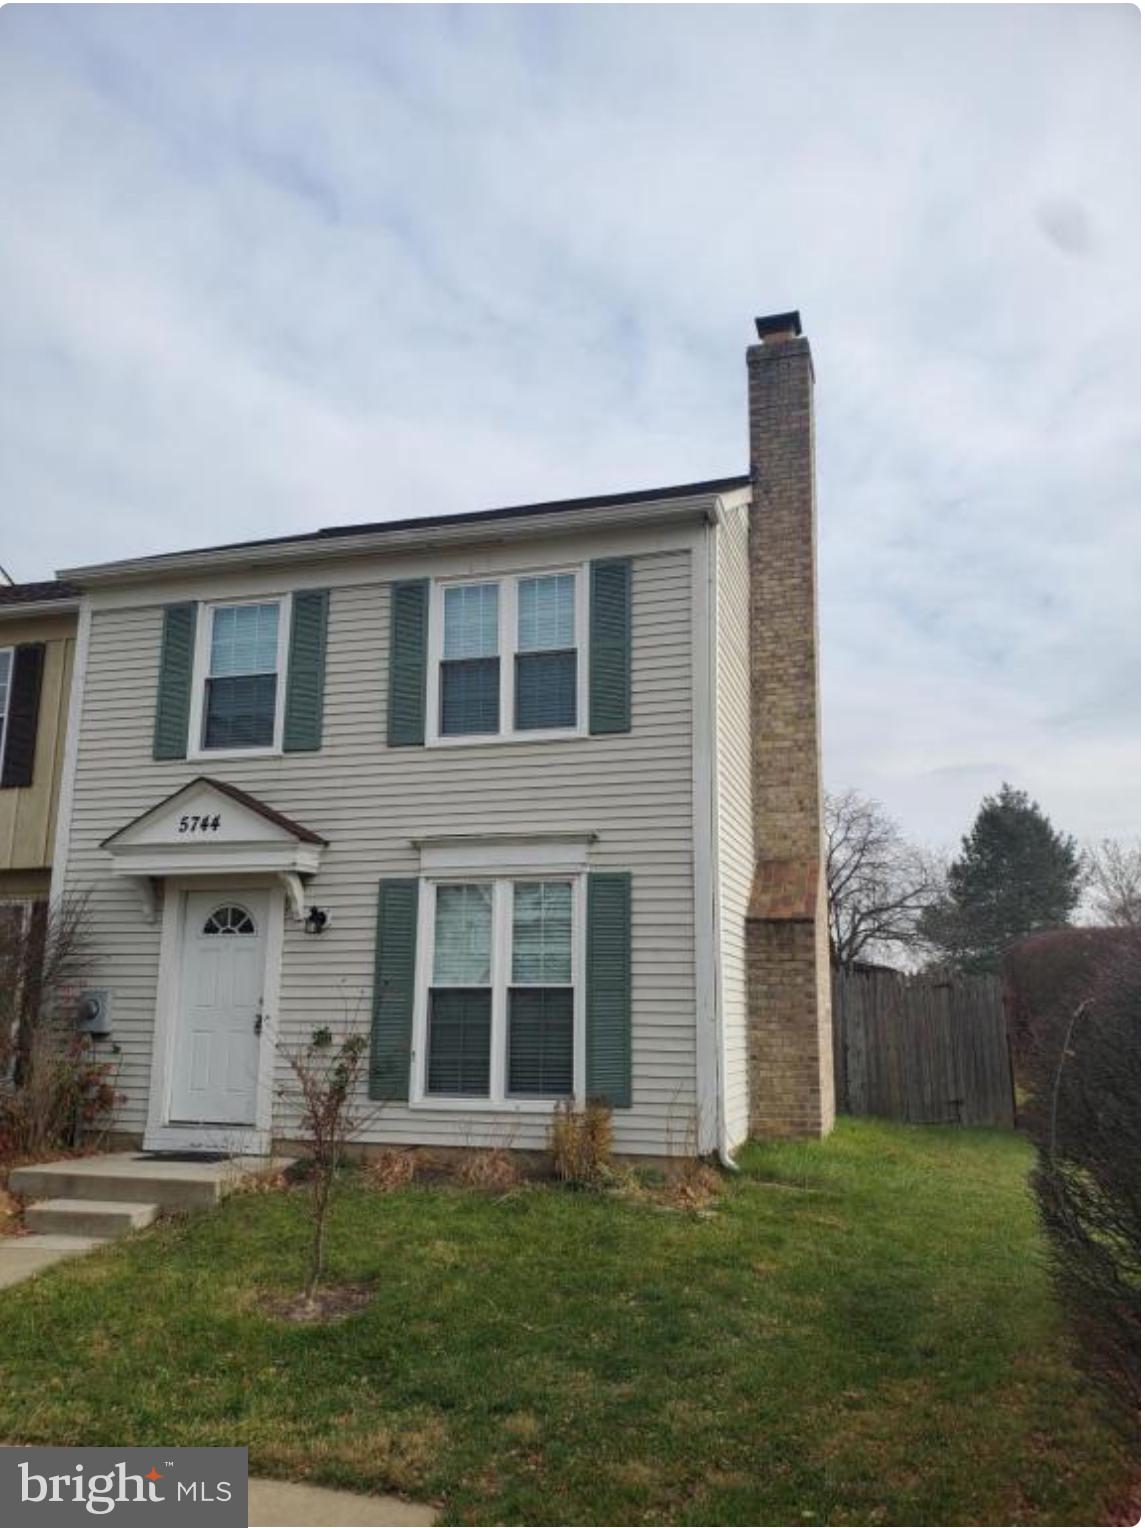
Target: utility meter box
93, 1011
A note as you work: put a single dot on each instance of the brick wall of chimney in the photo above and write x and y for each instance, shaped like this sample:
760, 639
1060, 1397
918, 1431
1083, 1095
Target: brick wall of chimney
789, 979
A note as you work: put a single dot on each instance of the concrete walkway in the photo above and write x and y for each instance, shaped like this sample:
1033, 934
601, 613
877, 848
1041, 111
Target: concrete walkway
22, 1256
282, 1504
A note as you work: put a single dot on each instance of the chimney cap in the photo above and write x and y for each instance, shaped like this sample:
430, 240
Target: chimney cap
779, 325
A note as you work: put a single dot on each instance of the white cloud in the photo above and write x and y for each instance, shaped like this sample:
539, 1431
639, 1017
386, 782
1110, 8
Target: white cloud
268, 268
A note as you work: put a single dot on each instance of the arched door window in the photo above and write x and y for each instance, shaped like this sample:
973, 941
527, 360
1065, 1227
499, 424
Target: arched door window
230, 920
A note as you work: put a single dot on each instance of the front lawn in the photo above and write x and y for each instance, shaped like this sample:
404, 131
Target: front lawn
860, 1333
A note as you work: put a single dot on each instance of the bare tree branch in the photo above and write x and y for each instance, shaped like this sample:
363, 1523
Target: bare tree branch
877, 883
1113, 881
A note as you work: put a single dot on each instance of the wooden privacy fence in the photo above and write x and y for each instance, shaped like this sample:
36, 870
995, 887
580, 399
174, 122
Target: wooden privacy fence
928, 1050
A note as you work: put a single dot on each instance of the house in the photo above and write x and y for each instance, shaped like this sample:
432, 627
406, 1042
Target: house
530, 795
37, 645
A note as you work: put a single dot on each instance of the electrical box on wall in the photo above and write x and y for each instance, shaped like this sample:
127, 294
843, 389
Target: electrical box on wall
93, 1012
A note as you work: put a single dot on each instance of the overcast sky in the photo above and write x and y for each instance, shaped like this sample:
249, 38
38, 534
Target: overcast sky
269, 268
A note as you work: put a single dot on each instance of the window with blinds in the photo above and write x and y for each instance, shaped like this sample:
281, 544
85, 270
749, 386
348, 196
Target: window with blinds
545, 668
510, 656
461, 997
502, 977
241, 687
541, 994
470, 666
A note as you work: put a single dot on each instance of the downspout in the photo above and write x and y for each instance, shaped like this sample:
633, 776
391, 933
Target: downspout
723, 1150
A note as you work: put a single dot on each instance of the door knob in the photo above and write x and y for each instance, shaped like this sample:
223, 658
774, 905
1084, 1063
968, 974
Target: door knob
258, 1023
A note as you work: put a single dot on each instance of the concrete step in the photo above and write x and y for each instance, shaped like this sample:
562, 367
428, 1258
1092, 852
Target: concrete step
103, 1218
137, 1179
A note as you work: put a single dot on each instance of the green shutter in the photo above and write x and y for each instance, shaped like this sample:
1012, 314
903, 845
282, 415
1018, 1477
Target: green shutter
394, 967
610, 646
608, 1007
173, 701
306, 672
409, 624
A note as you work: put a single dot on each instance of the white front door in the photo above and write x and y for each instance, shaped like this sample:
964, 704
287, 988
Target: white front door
219, 1015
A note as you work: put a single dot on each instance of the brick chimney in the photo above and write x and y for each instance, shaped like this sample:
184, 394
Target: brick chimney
789, 977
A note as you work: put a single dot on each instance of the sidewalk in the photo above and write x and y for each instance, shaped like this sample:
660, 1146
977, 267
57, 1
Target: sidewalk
281, 1504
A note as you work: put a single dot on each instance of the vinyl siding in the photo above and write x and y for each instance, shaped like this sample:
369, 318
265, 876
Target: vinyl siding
28, 813
736, 855
633, 790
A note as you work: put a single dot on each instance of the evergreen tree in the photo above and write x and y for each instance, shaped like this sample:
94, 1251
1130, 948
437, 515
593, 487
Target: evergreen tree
1015, 876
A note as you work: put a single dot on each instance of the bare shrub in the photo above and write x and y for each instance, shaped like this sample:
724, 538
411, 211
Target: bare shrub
693, 1184
1082, 1064
492, 1170
54, 1090
581, 1144
260, 1180
391, 1169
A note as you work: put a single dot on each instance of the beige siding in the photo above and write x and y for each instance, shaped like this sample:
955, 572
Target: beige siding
736, 856
28, 814
368, 801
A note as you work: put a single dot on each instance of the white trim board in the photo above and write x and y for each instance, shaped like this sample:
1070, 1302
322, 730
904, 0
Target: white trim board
505, 854
65, 804
705, 872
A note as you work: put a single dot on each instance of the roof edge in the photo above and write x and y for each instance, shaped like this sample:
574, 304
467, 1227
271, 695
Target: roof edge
339, 541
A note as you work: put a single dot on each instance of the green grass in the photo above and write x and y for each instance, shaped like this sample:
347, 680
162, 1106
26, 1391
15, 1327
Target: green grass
861, 1333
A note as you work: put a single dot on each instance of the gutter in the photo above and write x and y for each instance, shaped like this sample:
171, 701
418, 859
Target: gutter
14, 611
315, 548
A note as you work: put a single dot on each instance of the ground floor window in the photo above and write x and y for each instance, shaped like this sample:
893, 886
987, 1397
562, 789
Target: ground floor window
502, 990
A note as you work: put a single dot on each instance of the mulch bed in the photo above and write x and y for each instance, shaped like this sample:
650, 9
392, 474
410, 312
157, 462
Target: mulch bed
336, 1304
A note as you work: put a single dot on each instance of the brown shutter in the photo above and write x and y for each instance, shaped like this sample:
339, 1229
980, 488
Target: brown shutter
23, 715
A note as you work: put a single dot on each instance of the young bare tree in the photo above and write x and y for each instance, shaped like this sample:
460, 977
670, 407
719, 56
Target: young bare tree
878, 884
1113, 875
328, 1077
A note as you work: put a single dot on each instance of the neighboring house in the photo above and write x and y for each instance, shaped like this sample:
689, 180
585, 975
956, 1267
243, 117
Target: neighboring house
483, 786
37, 645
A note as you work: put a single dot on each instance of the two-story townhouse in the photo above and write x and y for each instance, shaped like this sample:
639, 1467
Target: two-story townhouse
37, 645
530, 795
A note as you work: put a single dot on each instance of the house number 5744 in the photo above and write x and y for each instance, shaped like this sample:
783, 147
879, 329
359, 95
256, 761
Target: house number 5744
199, 824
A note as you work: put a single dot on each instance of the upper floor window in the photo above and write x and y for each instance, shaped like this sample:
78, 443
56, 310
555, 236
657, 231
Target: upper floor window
240, 667
546, 652
5, 691
509, 657
470, 664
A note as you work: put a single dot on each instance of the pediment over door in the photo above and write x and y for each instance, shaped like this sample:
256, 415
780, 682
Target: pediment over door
209, 827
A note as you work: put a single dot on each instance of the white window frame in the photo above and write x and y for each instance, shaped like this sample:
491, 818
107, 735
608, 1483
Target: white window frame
507, 585
204, 626
500, 978
11, 651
